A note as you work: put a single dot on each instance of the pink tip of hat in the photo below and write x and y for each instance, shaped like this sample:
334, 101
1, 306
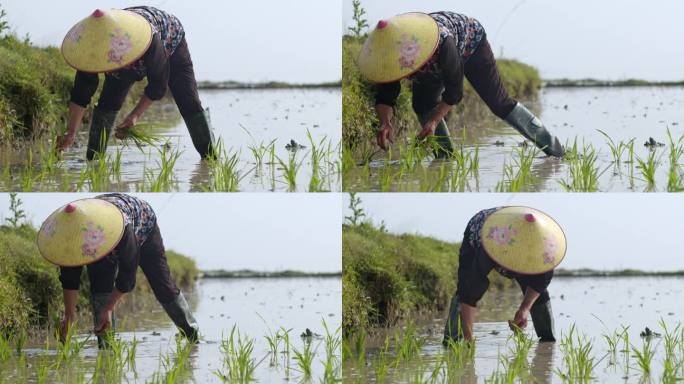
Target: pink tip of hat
382, 24
98, 13
69, 208
530, 218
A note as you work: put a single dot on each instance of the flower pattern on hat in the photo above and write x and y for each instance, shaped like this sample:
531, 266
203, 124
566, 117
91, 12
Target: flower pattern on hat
550, 249
93, 239
502, 235
74, 34
409, 51
50, 226
119, 45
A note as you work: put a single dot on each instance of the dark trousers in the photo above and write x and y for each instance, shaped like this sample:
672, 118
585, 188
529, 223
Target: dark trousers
473, 267
182, 84
153, 264
481, 72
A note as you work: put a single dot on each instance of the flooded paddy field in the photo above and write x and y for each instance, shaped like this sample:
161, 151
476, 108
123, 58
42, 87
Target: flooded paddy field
603, 128
605, 329
255, 128
256, 307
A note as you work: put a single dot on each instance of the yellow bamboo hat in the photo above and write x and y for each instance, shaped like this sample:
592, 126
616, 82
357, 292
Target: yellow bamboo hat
398, 47
523, 240
81, 232
106, 41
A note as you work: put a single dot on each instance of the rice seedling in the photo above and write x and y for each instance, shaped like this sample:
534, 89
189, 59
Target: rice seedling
28, 176
131, 351
162, 181
319, 157
644, 356
381, 363
436, 374
225, 177
5, 347
584, 172
332, 344
285, 336
408, 345
517, 175
578, 359
616, 150
304, 359
237, 358
671, 363
20, 339
674, 175
647, 168
71, 346
140, 137
290, 169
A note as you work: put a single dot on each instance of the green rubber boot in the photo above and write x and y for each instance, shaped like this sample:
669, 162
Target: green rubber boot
532, 128
100, 129
98, 301
179, 312
542, 318
452, 328
445, 147
199, 126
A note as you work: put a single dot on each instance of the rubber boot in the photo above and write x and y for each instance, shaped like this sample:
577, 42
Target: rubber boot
532, 128
542, 319
98, 301
179, 312
100, 129
452, 329
445, 148
199, 126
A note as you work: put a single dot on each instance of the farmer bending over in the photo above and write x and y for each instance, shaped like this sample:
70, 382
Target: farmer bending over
435, 51
112, 235
520, 243
128, 45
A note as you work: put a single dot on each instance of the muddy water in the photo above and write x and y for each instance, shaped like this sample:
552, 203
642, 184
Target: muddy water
623, 113
242, 118
596, 306
218, 304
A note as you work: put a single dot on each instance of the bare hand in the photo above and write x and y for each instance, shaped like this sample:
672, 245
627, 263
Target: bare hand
105, 322
122, 129
428, 129
385, 136
520, 319
65, 141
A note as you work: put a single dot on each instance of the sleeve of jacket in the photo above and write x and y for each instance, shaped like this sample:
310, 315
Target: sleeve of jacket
85, 85
70, 277
452, 71
158, 69
387, 93
128, 256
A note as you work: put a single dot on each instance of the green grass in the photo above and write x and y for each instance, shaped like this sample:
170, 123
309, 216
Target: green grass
237, 358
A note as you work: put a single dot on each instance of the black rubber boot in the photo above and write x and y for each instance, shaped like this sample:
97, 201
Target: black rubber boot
445, 147
542, 319
179, 312
100, 129
532, 128
452, 329
98, 301
199, 126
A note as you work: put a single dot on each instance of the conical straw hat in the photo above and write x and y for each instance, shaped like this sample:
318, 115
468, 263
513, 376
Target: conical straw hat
398, 47
523, 240
106, 41
80, 232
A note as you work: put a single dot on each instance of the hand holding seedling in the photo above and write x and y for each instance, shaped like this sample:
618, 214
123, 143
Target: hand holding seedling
428, 129
122, 129
105, 322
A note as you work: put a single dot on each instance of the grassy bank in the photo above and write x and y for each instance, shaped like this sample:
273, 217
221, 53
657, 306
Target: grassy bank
30, 291
387, 277
358, 116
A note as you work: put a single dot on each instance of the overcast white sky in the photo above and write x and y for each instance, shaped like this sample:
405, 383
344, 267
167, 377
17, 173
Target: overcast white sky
607, 39
604, 230
265, 232
256, 40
